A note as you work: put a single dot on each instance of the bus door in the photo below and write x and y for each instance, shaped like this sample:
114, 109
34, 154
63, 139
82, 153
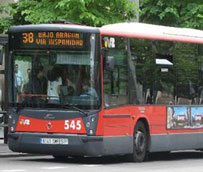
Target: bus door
116, 95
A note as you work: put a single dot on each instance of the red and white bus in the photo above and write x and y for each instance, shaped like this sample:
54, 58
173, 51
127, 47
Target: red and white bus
116, 90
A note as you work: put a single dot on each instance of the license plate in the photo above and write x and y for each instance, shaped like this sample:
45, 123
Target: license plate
54, 141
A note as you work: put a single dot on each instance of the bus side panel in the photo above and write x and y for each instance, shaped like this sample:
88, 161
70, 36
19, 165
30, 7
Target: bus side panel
122, 120
117, 121
116, 125
179, 141
100, 130
157, 118
169, 139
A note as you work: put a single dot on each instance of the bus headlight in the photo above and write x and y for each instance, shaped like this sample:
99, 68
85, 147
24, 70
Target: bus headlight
93, 119
12, 120
12, 129
91, 123
88, 124
91, 132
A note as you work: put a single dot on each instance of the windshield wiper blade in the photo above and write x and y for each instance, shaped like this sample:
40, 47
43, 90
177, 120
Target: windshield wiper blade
20, 106
76, 108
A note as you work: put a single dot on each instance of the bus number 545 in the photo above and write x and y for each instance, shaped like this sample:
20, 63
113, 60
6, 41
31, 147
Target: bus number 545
72, 124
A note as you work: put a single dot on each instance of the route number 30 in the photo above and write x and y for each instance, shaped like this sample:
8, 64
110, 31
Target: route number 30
74, 125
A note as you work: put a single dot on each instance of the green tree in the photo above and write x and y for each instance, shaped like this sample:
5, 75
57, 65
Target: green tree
184, 13
88, 12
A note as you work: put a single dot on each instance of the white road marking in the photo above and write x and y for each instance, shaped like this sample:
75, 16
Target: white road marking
52, 168
17, 170
91, 165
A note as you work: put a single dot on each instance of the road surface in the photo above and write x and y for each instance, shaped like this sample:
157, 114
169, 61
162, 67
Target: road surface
174, 162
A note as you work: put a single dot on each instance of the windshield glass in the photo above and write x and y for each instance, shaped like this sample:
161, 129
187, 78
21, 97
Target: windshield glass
56, 77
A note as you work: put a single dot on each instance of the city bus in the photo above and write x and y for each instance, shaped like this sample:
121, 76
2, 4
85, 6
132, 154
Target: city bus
121, 89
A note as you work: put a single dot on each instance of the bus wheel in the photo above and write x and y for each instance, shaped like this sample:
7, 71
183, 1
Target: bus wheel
57, 157
140, 143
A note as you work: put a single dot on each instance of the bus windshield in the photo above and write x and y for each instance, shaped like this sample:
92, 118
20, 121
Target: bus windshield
53, 78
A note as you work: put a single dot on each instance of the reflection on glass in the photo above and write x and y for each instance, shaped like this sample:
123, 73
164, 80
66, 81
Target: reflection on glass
56, 78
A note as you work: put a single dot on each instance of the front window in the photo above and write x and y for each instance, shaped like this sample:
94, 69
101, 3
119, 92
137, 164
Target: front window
54, 78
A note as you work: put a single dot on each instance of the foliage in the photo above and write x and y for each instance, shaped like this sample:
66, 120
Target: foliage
88, 12
184, 13
4, 24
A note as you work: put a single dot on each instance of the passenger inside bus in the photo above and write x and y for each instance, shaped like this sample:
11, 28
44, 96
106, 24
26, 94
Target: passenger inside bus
35, 87
18, 81
68, 82
67, 89
27, 87
58, 80
54, 83
39, 82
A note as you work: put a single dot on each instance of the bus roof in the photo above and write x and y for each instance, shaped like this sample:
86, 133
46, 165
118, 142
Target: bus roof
149, 31
53, 27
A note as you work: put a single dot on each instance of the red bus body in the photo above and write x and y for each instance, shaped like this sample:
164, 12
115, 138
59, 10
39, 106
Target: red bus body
36, 131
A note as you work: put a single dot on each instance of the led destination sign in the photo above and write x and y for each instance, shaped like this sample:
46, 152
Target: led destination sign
53, 38
48, 40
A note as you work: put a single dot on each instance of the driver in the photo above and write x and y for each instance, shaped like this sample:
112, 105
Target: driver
88, 91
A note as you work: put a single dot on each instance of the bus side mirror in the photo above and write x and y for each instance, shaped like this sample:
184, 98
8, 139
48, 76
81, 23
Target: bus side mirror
109, 63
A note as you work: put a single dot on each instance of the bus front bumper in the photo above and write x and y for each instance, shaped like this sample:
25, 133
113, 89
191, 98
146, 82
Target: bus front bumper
69, 144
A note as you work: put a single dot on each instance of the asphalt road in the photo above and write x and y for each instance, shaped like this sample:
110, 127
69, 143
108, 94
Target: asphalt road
174, 162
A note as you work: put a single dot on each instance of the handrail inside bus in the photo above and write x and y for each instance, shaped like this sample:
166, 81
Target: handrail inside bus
32, 95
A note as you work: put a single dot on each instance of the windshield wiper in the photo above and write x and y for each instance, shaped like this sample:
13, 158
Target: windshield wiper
20, 106
74, 107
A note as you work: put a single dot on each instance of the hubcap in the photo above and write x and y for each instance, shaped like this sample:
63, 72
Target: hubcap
140, 142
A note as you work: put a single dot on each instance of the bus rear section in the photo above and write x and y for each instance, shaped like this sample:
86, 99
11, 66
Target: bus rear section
155, 74
54, 85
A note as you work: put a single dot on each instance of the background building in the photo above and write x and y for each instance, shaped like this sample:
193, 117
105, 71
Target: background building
7, 1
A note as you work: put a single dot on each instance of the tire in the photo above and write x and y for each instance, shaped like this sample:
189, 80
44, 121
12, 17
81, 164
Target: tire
140, 143
5, 135
57, 157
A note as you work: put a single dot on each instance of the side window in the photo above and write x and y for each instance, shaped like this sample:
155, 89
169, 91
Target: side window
22, 75
116, 81
165, 72
154, 72
141, 67
164, 76
188, 79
